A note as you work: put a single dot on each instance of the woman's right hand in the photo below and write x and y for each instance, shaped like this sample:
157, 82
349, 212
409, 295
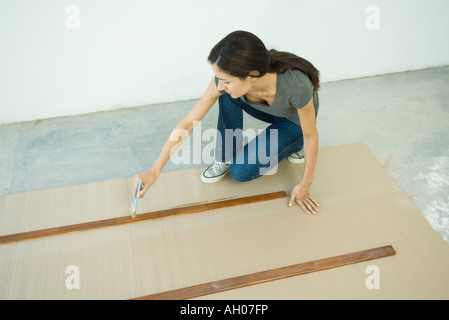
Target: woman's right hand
148, 179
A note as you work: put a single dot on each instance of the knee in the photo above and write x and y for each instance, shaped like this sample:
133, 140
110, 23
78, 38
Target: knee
244, 172
224, 101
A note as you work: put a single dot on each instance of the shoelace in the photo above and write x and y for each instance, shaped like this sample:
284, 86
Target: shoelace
216, 167
298, 155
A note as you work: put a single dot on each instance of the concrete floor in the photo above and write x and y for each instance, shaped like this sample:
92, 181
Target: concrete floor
402, 118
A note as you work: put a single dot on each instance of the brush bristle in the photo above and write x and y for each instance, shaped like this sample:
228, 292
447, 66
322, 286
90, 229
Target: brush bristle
133, 211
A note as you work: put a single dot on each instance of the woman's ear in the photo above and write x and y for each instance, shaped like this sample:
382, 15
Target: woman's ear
254, 74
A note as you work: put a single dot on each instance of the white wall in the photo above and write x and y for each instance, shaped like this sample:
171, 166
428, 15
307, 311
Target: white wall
137, 52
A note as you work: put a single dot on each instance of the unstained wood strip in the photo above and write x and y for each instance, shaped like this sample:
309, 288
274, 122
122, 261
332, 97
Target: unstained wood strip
271, 275
140, 217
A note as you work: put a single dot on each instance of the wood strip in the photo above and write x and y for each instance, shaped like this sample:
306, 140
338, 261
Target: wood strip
271, 275
140, 217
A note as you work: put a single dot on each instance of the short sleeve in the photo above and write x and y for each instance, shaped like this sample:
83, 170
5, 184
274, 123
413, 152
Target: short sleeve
301, 97
300, 90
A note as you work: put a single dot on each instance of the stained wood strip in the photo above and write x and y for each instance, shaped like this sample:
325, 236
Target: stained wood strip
271, 275
140, 217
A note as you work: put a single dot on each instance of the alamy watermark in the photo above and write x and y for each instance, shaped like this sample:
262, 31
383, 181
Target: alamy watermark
73, 279
260, 149
373, 280
372, 21
72, 21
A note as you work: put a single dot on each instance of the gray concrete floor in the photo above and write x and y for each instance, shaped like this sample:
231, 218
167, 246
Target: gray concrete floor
402, 118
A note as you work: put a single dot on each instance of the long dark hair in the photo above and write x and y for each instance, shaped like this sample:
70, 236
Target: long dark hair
241, 52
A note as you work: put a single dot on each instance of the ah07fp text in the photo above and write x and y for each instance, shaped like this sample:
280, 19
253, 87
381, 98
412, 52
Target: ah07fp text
245, 309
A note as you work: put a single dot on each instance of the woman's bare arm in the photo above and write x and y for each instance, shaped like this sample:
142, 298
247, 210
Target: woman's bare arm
177, 137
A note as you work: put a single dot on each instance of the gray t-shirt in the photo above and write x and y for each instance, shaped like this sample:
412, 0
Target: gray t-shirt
293, 91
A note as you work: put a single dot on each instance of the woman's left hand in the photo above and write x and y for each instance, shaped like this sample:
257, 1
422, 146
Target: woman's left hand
301, 195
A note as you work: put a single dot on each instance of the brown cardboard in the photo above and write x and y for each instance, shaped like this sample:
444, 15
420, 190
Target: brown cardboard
361, 208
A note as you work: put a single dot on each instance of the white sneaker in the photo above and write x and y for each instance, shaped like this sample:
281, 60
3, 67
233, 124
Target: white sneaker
215, 172
297, 157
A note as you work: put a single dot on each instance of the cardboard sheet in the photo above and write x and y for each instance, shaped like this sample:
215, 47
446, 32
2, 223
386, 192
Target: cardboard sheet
361, 208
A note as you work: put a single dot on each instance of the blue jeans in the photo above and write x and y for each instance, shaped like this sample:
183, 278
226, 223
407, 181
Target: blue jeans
260, 155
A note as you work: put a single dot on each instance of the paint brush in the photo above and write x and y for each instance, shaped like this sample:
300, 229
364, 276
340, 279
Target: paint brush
134, 204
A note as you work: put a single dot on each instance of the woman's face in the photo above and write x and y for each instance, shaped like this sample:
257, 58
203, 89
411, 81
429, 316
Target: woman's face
234, 86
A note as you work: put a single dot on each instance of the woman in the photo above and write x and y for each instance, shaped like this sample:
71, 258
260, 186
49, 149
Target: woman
276, 87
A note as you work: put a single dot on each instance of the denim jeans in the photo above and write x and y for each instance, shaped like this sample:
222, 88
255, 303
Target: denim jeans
260, 155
